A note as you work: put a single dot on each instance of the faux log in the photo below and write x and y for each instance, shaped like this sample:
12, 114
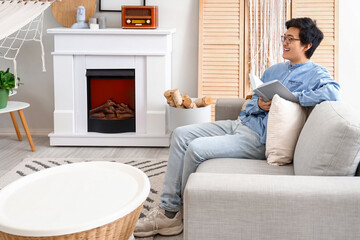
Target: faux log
176, 96
202, 102
167, 93
188, 103
101, 108
112, 111
170, 102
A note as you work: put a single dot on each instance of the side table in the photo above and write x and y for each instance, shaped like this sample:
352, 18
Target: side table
96, 200
13, 106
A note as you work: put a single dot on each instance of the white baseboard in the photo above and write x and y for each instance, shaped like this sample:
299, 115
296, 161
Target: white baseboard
33, 132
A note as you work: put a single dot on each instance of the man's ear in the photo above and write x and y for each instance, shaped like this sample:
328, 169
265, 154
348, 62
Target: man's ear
307, 46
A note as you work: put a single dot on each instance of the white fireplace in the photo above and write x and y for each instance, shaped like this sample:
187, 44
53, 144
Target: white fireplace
148, 52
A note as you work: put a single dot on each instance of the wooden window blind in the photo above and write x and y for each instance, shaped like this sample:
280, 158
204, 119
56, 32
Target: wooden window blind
221, 49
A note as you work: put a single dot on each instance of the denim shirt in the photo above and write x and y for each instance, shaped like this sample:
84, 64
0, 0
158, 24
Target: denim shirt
309, 82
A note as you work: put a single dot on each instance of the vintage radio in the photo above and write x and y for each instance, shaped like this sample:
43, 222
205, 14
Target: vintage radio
139, 16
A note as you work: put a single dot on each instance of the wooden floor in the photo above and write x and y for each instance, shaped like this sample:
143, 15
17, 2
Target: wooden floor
13, 152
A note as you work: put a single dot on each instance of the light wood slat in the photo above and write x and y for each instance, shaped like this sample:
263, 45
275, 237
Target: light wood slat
222, 46
325, 47
330, 62
220, 84
232, 72
220, 76
314, 13
218, 71
223, 59
326, 11
315, 5
326, 21
221, 63
222, 25
330, 41
221, 93
230, 35
222, 21
221, 30
327, 28
324, 52
221, 88
221, 55
220, 6
211, 10
223, 80
217, 95
222, 14
220, 50
220, 41
319, 18
209, 67
230, 17
221, 34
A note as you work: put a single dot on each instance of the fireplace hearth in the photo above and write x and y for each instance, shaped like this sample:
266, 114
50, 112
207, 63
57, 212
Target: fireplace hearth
78, 53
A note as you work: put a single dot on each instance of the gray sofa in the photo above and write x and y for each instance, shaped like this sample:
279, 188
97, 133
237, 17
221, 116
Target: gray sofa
249, 199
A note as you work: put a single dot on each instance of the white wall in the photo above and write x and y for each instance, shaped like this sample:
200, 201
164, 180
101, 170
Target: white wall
182, 15
349, 51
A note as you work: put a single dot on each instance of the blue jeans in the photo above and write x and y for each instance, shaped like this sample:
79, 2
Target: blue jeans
193, 144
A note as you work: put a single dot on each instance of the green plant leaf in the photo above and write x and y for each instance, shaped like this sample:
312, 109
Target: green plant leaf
7, 80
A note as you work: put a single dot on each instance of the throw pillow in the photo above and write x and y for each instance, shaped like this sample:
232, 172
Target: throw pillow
329, 144
285, 121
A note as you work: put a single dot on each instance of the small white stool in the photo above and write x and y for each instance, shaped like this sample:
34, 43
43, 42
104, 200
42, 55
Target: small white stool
86, 200
13, 106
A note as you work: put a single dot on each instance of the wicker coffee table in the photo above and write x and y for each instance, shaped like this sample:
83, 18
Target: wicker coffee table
88, 200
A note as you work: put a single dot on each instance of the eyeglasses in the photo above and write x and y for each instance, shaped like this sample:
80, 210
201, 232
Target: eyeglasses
288, 40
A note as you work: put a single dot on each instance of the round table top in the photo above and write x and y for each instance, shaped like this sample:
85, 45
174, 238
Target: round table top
71, 198
14, 106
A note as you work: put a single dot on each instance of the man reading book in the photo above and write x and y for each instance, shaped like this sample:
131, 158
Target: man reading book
245, 137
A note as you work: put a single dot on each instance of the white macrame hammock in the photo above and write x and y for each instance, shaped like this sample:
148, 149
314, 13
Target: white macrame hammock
21, 21
266, 29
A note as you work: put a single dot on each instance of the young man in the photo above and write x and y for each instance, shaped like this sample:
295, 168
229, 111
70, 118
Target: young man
243, 138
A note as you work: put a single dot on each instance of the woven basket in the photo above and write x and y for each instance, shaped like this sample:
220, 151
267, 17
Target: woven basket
118, 230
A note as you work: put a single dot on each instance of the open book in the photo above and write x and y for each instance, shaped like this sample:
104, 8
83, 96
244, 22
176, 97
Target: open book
269, 89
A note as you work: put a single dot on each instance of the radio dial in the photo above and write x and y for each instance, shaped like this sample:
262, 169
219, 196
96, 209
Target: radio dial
148, 21
128, 21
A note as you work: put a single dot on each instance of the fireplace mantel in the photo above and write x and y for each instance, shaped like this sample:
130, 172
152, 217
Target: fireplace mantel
76, 50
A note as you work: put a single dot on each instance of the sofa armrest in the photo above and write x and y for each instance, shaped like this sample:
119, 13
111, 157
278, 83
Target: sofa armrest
239, 206
228, 108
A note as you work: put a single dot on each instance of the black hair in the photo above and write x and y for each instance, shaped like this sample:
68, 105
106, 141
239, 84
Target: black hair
309, 33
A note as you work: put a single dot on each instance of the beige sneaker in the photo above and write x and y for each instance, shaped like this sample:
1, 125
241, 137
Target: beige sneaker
157, 223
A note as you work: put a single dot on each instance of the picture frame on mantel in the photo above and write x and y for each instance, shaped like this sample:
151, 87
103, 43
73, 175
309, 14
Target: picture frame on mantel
115, 5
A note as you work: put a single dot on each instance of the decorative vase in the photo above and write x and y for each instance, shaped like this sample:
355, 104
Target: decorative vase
4, 96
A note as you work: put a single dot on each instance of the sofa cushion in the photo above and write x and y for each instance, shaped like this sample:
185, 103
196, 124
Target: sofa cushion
243, 166
285, 121
329, 143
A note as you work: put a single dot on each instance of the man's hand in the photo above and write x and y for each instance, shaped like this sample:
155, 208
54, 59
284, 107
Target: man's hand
264, 105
